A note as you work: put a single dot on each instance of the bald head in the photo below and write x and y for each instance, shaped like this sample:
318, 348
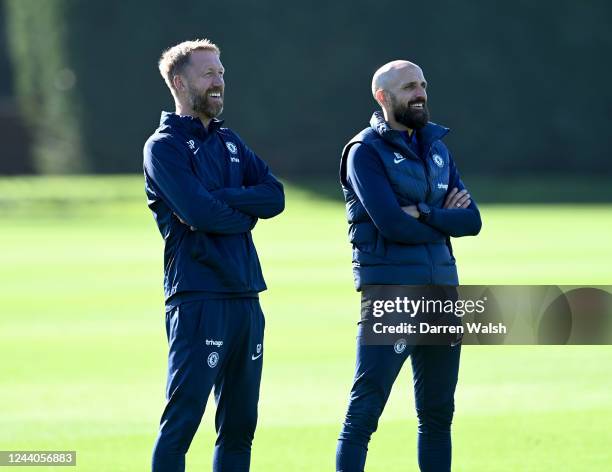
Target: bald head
399, 88
388, 76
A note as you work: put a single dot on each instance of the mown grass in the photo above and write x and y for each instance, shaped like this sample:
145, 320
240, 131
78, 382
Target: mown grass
83, 348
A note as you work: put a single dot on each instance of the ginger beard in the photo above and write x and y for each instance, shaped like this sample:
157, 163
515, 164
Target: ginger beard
208, 102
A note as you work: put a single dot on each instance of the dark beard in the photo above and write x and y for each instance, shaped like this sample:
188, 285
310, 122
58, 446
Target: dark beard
410, 117
201, 105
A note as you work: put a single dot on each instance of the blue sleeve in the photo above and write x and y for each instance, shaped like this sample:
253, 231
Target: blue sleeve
366, 175
167, 168
456, 222
261, 195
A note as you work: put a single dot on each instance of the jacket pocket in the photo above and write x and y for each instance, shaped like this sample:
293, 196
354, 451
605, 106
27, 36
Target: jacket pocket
441, 255
200, 247
366, 238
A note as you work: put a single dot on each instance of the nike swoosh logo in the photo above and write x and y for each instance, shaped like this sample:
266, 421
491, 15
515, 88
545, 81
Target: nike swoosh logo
255, 357
196, 151
398, 160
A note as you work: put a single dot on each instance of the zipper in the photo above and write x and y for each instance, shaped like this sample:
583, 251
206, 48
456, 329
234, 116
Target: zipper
426, 167
424, 162
428, 193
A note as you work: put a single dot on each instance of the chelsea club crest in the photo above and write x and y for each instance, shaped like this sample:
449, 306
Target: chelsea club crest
231, 147
437, 158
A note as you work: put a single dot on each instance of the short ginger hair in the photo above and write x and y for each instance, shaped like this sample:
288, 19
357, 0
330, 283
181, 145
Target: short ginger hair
174, 59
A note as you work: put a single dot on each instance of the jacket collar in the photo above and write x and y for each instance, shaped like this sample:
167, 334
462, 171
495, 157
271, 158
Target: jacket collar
430, 133
189, 124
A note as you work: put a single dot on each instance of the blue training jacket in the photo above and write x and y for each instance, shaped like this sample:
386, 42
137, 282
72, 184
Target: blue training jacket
380, 172
206, 190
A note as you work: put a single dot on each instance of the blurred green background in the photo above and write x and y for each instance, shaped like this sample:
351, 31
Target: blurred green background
523, 85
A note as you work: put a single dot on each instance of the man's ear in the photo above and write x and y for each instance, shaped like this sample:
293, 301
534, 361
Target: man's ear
178, 82
381, 97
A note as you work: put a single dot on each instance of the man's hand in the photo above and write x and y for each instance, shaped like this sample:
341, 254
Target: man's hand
412, 210
192, 228
456, 199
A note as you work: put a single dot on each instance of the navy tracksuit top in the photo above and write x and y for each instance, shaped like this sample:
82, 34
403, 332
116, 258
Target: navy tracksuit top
380, 172
214, 183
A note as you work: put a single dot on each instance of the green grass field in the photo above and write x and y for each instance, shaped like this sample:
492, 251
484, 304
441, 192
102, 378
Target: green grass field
83, 348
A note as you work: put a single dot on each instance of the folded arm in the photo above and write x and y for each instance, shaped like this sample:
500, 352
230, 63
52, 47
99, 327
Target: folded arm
453, 220
167, 168
262, 195
366, 175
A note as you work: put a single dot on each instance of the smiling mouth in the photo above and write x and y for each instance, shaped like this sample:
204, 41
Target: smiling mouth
215, 95
417, 105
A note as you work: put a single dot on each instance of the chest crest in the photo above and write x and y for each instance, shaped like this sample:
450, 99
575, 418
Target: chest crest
233, 152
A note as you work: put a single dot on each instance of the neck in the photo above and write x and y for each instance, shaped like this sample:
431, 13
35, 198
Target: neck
184, 110
394, 124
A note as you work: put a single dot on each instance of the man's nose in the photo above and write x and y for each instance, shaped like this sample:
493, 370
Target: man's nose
421, 94
218, 81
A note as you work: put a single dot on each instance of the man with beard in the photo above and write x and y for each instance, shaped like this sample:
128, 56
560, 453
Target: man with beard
404, 200
206, 190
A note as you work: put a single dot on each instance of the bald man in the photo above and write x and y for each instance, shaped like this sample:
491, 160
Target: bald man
404, 201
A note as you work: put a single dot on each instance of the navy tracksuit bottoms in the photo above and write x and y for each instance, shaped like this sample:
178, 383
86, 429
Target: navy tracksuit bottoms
435, 370
212, 343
